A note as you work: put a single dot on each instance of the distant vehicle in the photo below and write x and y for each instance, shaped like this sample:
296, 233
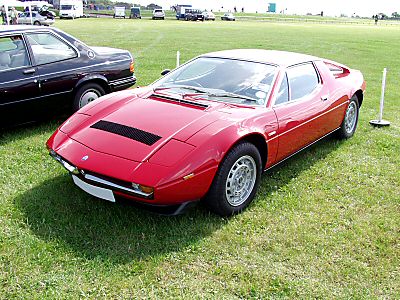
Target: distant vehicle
158, 14
228, 17
181, 11
119, 12
71, 9
194, 15
209, 15
43, 70
37, 19
135, 13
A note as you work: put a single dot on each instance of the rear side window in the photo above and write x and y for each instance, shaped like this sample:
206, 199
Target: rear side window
13, 53
303, 80
47, 48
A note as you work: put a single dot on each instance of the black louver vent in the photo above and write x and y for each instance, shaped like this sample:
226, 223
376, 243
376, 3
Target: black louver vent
126, 131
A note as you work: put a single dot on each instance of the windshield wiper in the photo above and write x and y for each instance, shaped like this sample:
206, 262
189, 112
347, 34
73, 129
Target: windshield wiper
210, 92
188, 87
232, 95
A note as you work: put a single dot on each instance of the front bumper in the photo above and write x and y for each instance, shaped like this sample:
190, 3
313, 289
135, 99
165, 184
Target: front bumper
97, 185
120, 175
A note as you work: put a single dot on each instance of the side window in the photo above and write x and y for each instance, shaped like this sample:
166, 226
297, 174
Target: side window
283, 94
13, 53
303, 80
47, 48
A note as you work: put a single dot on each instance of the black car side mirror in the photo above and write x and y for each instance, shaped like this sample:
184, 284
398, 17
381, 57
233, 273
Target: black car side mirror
165, 72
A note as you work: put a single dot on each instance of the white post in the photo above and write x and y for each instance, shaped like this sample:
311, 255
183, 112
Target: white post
382, 94
178, 54
30, 13
380, 122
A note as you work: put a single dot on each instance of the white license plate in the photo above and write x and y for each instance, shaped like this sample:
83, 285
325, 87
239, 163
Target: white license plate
94, 190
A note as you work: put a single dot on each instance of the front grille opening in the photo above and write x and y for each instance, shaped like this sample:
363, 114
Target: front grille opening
132, 133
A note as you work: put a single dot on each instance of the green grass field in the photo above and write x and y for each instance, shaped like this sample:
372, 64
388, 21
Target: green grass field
325, 224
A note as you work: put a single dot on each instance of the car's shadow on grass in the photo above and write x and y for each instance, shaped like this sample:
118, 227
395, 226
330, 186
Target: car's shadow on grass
56, 210
96, 229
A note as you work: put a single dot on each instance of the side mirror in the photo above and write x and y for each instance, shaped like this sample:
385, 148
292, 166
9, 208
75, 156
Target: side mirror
165, 72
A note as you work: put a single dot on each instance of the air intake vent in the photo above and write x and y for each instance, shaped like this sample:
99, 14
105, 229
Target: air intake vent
126, 131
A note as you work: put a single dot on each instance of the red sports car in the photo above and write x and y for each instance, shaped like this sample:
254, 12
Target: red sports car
208, 129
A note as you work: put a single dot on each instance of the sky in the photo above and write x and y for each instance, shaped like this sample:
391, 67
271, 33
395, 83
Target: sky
365, 8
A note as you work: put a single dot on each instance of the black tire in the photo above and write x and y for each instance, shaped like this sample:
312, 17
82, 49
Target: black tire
37, 23
95, 91
350, 120
244, 157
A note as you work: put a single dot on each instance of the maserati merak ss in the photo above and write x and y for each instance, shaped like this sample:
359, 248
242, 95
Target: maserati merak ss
208, 129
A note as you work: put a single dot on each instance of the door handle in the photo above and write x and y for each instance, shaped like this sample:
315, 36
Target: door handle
324, 98
29, 71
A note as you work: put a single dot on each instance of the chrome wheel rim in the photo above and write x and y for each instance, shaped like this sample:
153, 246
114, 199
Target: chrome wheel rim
88, 97
351, 117
241, 180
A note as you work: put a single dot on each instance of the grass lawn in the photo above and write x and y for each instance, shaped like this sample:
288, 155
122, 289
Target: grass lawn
325, 224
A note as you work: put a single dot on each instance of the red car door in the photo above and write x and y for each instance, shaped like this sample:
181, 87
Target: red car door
301, 107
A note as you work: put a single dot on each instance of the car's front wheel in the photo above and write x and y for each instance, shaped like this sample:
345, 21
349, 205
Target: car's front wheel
86, 94
349, 124
236, 182
37, 23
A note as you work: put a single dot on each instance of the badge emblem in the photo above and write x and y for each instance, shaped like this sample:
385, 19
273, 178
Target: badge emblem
85, 158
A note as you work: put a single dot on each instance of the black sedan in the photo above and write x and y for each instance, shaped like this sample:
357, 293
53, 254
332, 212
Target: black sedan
45, 69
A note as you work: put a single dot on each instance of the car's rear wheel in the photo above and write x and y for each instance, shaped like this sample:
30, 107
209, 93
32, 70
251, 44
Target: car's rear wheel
236, 182
350, 121
86, 94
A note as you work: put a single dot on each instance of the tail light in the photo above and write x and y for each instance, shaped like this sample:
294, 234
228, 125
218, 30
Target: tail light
132, 67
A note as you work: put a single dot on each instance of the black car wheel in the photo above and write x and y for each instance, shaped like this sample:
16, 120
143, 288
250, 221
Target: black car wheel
86, 94
349, 124
236, 181
37, 23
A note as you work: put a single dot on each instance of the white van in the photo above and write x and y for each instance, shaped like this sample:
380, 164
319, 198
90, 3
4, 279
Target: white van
119, 12
71, 9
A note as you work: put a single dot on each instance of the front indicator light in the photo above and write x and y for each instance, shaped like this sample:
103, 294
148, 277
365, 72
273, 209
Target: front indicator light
147, 190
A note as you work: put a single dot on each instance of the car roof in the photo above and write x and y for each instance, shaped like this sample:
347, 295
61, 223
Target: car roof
275, 57
19, 28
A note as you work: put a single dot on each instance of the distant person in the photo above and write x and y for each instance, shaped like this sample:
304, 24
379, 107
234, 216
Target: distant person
242, 9
14, 16
376, 18
234, 9
3, 15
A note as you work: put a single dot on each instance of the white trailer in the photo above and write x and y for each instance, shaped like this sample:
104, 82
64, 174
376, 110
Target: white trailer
71, 9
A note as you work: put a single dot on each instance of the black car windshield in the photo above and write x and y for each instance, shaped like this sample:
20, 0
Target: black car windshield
221, 79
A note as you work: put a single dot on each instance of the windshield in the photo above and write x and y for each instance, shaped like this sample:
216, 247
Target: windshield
66, 7
225, 80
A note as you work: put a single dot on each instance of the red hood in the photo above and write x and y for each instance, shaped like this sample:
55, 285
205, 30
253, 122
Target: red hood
164, 118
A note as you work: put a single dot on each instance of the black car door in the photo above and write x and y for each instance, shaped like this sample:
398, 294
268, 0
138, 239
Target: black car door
19, 89
58, 66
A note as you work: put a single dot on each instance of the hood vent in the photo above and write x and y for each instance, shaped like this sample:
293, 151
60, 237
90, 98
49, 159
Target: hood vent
132, 133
